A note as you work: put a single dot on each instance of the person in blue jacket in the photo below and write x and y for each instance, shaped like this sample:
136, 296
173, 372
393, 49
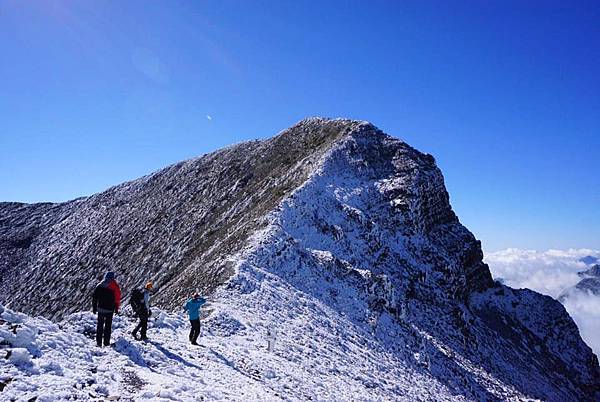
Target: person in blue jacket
193, 309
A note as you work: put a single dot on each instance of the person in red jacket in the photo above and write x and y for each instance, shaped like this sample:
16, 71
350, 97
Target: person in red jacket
105, 302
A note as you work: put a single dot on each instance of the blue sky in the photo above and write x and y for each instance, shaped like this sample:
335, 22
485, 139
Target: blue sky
505, 95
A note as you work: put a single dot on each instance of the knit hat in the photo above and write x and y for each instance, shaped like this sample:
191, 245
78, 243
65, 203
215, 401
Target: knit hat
148, 285
109, 275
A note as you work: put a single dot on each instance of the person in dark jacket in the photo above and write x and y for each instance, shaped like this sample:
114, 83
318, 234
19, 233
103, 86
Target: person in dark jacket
143, 312
193, 309
105, 302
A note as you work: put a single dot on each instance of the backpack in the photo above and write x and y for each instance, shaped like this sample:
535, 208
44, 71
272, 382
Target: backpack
136, 300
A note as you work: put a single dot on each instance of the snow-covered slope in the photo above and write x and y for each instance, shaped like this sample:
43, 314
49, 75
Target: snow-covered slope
56, 362
177, 225
373, 287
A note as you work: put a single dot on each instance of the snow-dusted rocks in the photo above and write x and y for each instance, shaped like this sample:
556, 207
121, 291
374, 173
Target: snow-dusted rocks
335, 239
178, 226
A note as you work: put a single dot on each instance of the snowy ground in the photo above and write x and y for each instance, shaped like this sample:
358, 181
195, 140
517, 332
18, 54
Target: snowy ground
321, 352
54, 362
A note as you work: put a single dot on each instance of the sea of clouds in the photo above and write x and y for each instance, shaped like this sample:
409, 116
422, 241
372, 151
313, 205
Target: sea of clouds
552, 272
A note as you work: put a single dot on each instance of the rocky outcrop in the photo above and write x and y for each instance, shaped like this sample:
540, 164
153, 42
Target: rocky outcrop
357, 222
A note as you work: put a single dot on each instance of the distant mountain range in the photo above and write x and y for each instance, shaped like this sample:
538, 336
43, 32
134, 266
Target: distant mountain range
590, 282
589, 260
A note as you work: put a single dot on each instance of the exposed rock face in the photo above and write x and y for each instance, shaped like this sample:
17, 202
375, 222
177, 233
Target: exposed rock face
338, 211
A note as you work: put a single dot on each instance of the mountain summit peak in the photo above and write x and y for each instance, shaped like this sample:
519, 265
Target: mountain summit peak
332, 230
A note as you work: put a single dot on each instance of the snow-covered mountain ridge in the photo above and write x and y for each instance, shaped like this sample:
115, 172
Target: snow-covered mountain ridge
177, 225
334, 235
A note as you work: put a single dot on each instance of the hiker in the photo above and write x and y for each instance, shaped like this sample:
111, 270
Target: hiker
105, 302
140, 303
193, 309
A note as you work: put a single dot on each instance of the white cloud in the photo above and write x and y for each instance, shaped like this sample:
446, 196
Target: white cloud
552, 272
548, 272
585, 311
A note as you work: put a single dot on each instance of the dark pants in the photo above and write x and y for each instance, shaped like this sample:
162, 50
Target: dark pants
143, 324
104, 328
195, 331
